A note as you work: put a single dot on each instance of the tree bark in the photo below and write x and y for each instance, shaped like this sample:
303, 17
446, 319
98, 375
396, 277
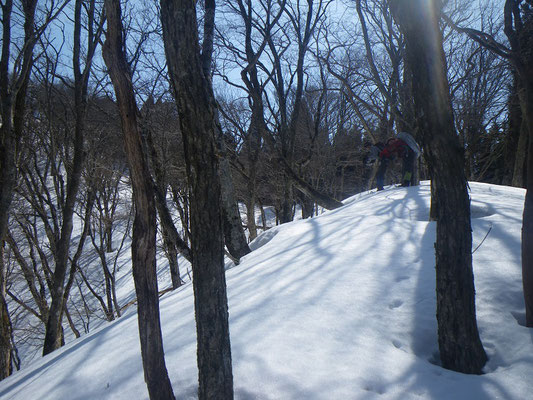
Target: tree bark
144, 226
250, 215
527, 220
459, 343
520, 164
233, 232
198, 121
5, 334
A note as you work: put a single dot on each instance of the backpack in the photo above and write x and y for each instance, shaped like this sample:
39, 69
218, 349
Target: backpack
411, 142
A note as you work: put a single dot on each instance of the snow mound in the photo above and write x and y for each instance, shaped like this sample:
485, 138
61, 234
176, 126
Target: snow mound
263, 238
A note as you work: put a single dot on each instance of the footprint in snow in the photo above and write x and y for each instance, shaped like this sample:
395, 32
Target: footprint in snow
397, 344
402, 278
395, 304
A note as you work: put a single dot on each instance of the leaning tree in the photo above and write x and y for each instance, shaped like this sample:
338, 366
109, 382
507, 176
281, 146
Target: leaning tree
143, 246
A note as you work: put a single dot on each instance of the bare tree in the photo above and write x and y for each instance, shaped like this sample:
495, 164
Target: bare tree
144, 229
53, 337
198, 120
459, 343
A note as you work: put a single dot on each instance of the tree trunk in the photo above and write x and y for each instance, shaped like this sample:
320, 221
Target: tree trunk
250, 215
7, 185
512, 139
459, 343
168, 224
520, 164
527, 220
144, 225
527, 256
433, 205
233, 232
172, 256
171, 238
5, 324
308, 206
287, 201
198, 121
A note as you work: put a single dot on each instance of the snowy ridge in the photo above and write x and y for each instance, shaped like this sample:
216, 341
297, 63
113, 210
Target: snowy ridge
341, 306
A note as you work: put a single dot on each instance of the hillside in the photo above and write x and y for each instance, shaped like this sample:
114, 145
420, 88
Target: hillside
341, 306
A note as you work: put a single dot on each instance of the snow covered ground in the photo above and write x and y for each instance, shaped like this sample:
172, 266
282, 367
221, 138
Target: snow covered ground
341, 306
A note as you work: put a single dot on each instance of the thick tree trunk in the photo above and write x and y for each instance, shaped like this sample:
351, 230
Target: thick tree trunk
198, 121
527, 257
527, 221
144, 226
459, 343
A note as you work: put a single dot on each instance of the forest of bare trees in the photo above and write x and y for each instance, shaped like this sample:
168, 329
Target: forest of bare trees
171, 125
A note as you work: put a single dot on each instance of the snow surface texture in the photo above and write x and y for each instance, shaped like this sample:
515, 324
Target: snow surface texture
341, 306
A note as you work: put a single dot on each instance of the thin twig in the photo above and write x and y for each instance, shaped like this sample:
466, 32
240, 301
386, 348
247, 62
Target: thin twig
479, 245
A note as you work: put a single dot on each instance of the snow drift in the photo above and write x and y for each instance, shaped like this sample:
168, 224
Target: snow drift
340, 306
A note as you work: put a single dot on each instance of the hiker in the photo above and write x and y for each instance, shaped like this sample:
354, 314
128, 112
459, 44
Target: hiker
403, 147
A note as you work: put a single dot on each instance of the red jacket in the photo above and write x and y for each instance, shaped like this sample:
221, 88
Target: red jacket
394, 148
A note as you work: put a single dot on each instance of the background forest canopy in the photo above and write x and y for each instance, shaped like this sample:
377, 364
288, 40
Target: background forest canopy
309, 85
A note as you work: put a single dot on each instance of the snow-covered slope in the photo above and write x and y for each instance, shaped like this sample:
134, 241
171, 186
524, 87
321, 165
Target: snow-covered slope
341, 306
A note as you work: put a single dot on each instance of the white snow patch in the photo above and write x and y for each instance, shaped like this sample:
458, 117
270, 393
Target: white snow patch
341, 306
